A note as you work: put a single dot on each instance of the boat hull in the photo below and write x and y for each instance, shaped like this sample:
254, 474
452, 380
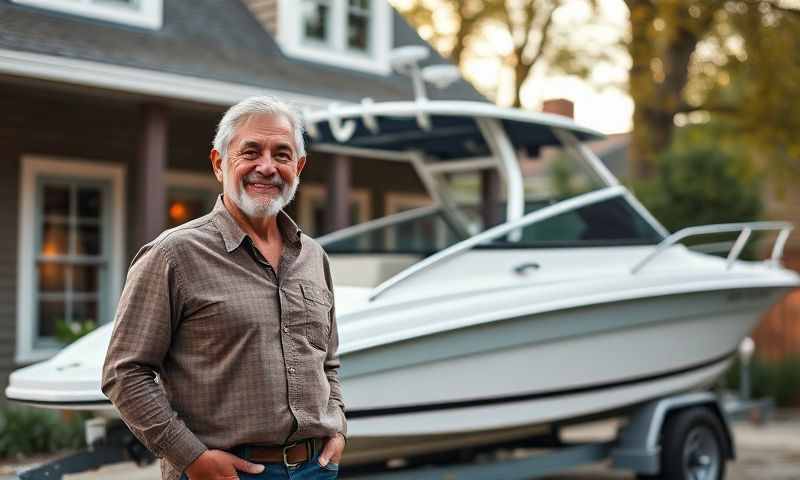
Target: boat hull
527, 373
515, 377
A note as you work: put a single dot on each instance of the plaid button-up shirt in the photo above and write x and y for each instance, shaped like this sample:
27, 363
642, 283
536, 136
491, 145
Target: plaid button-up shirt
213, 348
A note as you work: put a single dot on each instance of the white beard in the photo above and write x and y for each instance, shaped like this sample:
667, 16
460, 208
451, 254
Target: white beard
258, 209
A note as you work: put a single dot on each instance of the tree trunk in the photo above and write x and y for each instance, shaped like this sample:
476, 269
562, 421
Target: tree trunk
520, 74
652, 134
659, 74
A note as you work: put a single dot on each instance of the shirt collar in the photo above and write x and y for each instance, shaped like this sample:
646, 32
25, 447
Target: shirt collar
233, 235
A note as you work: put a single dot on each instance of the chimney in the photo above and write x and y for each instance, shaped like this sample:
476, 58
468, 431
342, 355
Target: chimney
559, 106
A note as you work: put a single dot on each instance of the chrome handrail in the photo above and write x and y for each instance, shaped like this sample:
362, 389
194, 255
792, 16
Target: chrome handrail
500, 230
785, 228
386, 221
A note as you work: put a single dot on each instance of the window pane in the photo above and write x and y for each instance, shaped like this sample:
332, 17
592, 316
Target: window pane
56, 200
55, 239
50, 313
85, 278
315, 20
359, 4
358, 31
52, 277
89, 202
88, 240
85, 311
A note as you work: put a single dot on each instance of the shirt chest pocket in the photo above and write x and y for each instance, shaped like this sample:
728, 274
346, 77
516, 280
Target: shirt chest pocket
318, 302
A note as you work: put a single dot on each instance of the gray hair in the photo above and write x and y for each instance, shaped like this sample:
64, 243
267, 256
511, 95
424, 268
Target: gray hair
265, 105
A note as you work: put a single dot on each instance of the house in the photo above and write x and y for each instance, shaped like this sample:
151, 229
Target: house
109, 108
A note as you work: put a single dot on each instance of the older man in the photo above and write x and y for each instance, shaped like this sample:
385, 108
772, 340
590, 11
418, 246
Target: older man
223, 356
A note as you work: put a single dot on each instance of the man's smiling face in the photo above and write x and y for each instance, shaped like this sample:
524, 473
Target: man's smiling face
261, 170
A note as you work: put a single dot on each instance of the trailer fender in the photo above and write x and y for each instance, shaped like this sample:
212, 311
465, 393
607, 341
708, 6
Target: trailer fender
638, 445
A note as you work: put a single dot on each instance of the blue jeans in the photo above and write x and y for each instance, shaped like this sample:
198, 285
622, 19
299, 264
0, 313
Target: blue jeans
310, 470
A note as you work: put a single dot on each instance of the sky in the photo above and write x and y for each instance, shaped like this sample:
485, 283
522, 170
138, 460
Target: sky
601, 101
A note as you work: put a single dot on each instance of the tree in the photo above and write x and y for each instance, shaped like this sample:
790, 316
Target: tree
669, 76
700, 182
527, 23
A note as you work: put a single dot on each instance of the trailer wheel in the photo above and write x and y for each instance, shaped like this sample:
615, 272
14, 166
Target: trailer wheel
692, 446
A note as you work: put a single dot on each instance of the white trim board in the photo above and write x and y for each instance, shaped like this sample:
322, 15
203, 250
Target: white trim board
381, 37
192, 179
146, 14
33, 166
134, 80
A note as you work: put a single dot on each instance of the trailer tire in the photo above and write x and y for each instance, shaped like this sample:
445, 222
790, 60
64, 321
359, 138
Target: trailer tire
692, 446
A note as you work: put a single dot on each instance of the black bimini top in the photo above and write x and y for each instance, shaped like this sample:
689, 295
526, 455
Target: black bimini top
442, 129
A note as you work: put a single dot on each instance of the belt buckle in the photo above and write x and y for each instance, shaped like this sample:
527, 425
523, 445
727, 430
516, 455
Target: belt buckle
286, 461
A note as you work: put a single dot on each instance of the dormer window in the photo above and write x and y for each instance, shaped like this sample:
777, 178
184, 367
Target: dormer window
136, 13
358, 16
350, 33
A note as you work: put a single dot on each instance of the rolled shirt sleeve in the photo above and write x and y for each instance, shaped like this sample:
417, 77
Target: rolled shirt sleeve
147, 317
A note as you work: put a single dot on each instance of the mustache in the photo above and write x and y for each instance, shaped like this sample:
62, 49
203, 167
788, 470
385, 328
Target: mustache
255, 177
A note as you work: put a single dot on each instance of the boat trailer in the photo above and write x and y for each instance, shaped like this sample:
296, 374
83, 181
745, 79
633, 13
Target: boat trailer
681, 437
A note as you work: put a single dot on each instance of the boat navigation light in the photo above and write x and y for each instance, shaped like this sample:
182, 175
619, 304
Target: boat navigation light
405, 59
442, 76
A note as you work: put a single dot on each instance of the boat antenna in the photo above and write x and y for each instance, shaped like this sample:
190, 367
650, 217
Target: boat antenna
406, 60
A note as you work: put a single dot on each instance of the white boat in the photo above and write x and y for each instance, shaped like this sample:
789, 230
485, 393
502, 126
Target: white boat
455, 335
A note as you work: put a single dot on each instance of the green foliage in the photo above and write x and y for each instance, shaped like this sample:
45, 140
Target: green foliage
734, 59
68, 332
699, 187
777, 379
703, 179
25, 431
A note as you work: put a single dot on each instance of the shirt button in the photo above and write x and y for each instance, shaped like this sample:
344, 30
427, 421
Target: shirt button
285, 329
291, 370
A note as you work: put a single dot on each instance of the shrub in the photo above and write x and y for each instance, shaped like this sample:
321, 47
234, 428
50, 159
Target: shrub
68, 332
777, 379
26, 431
702, 185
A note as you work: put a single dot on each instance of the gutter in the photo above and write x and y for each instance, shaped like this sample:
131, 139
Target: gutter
140, 81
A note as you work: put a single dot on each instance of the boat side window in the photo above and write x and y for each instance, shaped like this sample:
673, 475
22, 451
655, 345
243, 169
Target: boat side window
607, 223
422, 236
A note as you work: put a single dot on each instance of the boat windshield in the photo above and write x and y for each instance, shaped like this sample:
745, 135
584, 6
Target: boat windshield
423, 232
551, 175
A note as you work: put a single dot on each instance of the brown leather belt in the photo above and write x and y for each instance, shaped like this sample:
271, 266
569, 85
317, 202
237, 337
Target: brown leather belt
290, 455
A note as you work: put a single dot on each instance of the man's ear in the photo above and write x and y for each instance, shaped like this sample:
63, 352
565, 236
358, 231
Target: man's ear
301, 163
216, 163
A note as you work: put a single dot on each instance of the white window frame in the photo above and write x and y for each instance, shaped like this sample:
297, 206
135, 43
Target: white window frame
336, 52
149, 14
32, 168
311, 194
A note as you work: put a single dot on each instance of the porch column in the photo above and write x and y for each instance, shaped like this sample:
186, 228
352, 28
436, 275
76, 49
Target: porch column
490, 198
338, 212
149, 182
